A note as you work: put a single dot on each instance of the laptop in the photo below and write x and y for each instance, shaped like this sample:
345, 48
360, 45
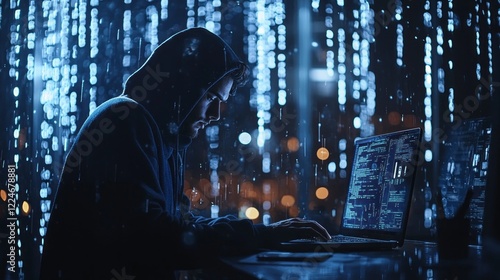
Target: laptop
379, 195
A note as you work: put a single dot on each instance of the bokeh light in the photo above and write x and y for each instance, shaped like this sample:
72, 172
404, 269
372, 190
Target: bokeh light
287, 200
322, 153
394, 118
293, 144
252, 213
245, 138
321, 192
26, 208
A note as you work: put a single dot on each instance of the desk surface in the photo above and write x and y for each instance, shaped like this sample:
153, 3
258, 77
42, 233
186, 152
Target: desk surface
415, 260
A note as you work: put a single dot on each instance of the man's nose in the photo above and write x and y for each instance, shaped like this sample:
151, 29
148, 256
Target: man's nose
214, 111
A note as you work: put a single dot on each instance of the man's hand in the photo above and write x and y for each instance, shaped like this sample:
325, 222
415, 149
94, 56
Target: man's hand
294, 228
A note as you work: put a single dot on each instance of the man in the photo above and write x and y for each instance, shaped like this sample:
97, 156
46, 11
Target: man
119, 205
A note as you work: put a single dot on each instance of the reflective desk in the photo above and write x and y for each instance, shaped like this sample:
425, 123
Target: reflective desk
415, 260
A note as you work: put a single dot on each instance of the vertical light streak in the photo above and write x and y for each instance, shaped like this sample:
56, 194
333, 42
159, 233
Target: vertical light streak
127, 41
428, 88
427, 79
451, 90
398, 15
365, 84
94, 50
329, 34
164, 9
190, 21
341, 69
490, 44
281, 51
262, 54
55, 79
478, 38
151, 35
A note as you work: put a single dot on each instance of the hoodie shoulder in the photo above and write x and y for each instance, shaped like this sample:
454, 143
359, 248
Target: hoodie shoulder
117, 109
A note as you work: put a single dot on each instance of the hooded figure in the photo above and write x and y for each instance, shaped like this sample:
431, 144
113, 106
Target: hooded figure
120, 210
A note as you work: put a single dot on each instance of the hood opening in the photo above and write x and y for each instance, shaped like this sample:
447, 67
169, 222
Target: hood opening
179, 73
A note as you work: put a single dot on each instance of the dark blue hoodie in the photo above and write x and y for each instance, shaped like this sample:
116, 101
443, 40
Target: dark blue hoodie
119, 205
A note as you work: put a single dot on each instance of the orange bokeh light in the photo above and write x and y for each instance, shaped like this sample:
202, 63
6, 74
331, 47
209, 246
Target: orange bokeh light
322, 153
394, 118
288, 200
292, 144
410, 120
322, 193
3, 195
26, 207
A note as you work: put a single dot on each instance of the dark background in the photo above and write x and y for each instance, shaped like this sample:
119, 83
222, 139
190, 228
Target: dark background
60, 59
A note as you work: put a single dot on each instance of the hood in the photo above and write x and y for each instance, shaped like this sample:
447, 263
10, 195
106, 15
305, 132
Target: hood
178, 74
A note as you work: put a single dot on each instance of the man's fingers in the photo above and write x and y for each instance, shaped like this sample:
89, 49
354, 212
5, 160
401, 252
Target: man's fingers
294, 228
307, 231
318, 228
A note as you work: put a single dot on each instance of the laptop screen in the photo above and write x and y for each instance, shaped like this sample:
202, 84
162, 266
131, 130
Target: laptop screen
463, 165
381, 182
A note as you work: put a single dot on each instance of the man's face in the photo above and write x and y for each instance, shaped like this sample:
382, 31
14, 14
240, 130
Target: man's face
208, 108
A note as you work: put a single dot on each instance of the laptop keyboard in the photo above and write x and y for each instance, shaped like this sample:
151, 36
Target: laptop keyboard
336, 239
349, 239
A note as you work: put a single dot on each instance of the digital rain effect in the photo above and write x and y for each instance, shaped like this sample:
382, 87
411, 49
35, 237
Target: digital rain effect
322, 74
